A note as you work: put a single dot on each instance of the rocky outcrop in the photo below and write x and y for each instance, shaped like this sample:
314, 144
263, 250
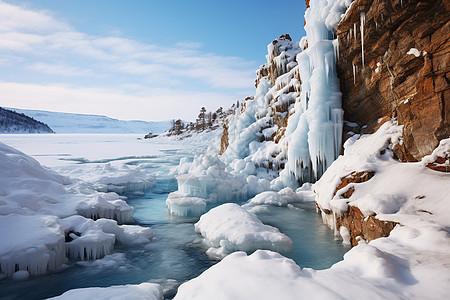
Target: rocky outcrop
441, 164
354, 177
358, 225
368, 228
394, 61
224, 139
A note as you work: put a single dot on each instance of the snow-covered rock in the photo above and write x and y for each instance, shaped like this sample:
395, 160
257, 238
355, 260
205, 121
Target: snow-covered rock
229, 227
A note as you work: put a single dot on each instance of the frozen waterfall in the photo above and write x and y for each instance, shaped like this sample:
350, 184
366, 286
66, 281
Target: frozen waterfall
316, 138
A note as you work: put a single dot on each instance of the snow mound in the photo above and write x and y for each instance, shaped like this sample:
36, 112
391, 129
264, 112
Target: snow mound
368, 153
400, 192
367, 269
143, 291
183, 205
33, 244
28, 188
262, 275
229, 227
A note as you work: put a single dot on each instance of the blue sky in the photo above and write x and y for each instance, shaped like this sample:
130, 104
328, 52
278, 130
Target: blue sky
148, 60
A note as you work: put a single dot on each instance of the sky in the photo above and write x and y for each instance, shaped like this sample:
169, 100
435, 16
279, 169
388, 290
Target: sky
137, 60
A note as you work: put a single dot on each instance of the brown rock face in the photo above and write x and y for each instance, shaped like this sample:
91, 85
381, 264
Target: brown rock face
441, 164
224, 139
354, 177
369, 228
274, 70
406, 70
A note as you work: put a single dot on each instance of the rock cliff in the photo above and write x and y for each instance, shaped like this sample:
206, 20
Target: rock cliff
394, 61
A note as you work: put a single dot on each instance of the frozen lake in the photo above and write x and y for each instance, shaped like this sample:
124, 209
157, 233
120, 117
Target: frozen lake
175, 254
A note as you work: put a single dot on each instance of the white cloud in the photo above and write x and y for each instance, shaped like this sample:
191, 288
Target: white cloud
15, 18
59, 69
147, 104
50, 46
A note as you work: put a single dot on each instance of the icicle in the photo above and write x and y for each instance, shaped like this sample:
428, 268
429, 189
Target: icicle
363, 20
354, 73
336, 49
354, 30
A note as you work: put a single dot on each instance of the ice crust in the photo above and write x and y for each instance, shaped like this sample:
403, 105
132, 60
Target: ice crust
229, 227
143, 291
110, 178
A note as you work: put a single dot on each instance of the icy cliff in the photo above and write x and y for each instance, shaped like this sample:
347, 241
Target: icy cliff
290, 131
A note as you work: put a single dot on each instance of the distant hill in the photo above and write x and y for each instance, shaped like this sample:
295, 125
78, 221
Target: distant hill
80, 123
15, 122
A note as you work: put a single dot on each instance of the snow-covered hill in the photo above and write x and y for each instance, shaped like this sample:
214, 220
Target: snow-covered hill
13, 122
80, 123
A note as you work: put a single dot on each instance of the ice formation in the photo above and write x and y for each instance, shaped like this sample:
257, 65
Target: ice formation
88, 240
203, 181
34, 244
38, 212
288, 133
143, 291
314, 130
229, 227
184, 205
108, 205
91, 239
